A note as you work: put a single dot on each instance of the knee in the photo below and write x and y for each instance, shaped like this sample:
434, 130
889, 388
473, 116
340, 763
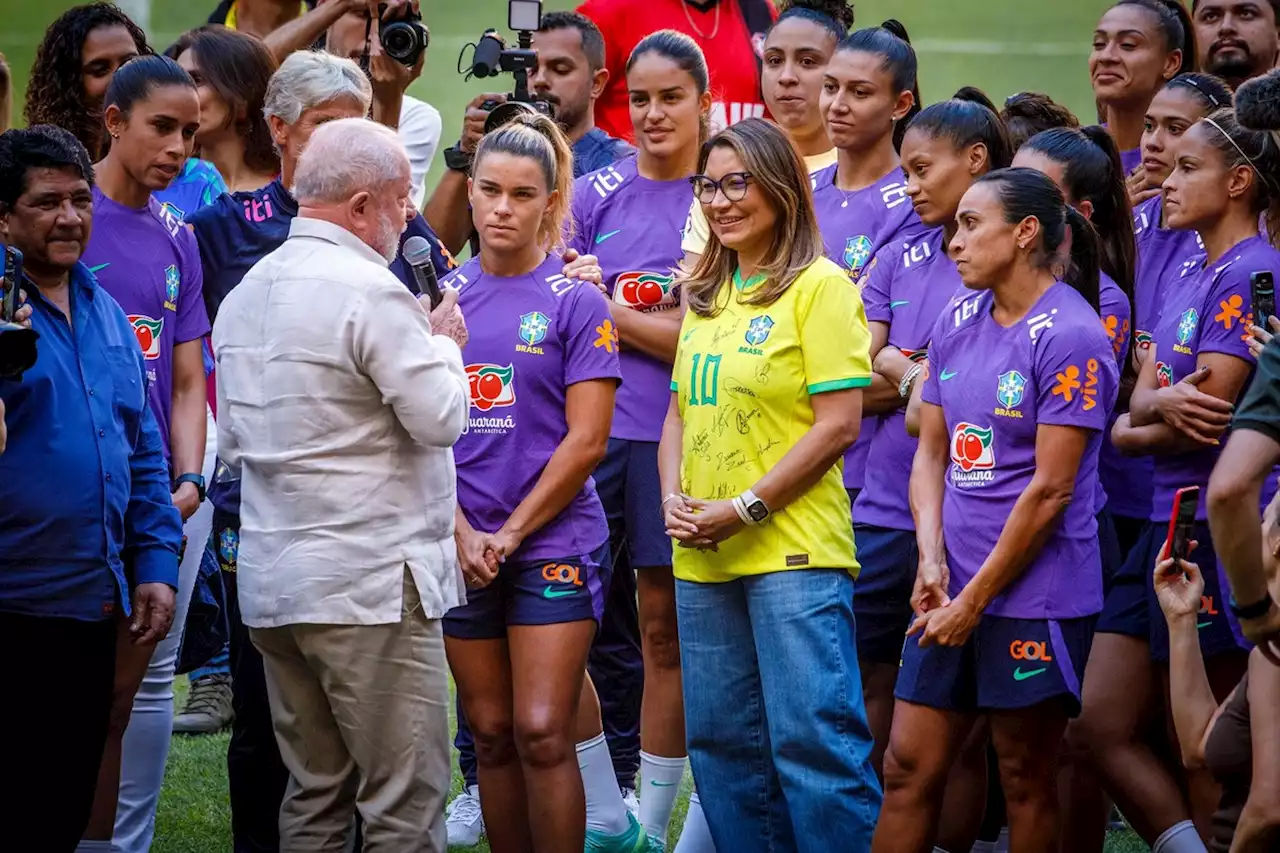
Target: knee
543, 738
494, 736
1024, 778
1095, 733
902, 770
662, 641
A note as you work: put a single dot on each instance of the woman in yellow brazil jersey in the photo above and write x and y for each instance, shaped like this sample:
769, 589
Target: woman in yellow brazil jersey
766, 396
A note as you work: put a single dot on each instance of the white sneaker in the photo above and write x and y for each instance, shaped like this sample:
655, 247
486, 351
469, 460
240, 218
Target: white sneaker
464, 822
632, 803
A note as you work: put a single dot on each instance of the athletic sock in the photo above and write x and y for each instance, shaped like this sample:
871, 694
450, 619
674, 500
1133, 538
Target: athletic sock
1179, 838
940, 850
1002, 841
983, 847
606, 812
696, 835
87, 846
659, 784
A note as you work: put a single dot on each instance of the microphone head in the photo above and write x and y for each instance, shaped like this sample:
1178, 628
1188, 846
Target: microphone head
1258, 102
416, 250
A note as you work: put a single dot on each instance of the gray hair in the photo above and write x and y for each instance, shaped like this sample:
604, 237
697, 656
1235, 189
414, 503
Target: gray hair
347, 156
309, 78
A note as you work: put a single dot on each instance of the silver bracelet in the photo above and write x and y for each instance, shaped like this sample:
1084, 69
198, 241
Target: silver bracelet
904, 387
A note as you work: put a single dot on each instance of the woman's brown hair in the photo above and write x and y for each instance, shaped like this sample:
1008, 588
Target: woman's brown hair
238, 67
779, 174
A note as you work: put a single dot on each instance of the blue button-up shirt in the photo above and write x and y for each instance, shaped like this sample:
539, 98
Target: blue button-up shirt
85, 508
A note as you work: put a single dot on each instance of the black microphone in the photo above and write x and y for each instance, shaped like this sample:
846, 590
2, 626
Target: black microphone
417, 254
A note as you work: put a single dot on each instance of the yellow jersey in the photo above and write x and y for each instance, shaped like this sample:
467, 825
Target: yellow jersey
744, 381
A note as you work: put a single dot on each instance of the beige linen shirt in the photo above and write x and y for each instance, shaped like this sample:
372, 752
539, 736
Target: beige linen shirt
339, 408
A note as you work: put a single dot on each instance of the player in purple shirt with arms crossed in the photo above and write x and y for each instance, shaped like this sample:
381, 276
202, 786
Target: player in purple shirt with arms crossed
905, 288
869, 93
532, 538
630, 216
1138, 45
147, 260
1022, 381
1221, 183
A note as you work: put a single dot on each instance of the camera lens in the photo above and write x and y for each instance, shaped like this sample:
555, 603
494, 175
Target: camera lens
403, 41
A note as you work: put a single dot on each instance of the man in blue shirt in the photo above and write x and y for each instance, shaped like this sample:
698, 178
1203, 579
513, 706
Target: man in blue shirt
89, 536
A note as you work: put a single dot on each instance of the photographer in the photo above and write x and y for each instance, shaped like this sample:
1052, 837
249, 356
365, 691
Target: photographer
570, 75
88, 530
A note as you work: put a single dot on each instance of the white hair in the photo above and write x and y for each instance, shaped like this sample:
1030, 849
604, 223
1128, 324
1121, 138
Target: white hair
309, 78
347, 156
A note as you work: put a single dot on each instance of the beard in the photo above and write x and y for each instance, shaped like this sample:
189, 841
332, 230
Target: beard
1234, 65
387, 237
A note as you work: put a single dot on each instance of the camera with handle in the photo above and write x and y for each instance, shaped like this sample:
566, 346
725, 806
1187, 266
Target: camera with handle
17, 343
492, 57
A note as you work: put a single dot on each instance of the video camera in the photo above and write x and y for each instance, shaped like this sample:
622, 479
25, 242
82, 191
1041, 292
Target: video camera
491, 57
17, 344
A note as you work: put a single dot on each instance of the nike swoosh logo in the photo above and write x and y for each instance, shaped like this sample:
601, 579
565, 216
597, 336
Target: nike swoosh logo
100, 267
899, 302
558, 593
662, 784
1019, 675
600, 238
946, 374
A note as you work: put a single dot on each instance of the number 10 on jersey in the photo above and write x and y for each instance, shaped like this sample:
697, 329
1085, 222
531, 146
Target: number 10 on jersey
704, 383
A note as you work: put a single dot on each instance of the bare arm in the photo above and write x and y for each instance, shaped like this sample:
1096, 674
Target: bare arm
890, 366
1145, 430
304, 31
928, 479
589, 415
671, 449
655, 334
837, 417
188, 422
1235, 491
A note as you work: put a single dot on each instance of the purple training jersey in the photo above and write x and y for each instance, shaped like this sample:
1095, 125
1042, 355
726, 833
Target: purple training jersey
1161, 255
1131, 159
150, 263
908, 290
855, 225
996, 385
1206, 311
1113, 307
532, 336
633, 225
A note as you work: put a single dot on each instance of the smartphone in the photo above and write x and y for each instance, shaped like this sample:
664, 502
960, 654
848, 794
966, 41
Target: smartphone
1182, 522
9, 287
524, 15
1263, 286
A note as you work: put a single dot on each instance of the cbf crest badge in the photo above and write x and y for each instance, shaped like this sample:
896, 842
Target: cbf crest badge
857, 251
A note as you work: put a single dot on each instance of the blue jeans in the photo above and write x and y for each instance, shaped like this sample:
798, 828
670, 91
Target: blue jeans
777, 730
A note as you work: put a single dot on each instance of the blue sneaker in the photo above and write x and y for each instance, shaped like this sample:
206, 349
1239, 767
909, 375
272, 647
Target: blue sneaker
633, 840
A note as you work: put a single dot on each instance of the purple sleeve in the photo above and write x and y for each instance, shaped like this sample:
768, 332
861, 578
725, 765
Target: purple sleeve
876, 283
1116, 319
1227, 310
590, 338
934, 364
1076, 376
193, 318
581, 210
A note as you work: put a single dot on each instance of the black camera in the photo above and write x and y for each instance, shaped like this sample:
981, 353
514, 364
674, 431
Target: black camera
404, 39
492, 57
17, 344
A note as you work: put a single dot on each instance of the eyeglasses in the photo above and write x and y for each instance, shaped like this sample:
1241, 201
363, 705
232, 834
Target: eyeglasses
733, 185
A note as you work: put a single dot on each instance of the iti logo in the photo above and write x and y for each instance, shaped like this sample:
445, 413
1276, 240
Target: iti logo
857, 251
644, 290
759, 329
533, 327
1164, 374
148, 332
492, 386
172, 282
1187, 326
1010, 389
971, 447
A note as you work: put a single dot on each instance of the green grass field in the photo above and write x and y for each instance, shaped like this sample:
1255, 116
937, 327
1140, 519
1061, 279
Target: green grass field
1001, 46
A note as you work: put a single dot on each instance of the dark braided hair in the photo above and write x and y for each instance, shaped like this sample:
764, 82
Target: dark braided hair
55, 94
1028, 113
